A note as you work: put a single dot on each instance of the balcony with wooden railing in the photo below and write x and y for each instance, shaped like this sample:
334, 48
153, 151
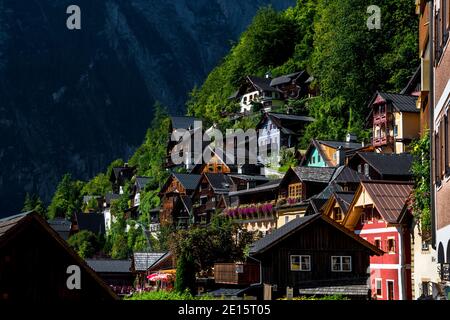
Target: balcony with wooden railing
382, 141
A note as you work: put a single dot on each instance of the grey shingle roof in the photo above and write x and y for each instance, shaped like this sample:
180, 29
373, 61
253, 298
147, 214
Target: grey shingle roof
141, 182
183, 122
109, 265
94, 222
219, 181
111, 196
280, 233
143, 260
401, 102
336, 144
344, 199
345, 174
314, 174
62, 226
285, 78
348, 290
293, 117
262, 84
271, 185
189, 181
10, 222
389, 164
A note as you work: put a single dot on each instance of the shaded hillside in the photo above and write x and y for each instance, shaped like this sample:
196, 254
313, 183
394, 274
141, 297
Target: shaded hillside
71, 101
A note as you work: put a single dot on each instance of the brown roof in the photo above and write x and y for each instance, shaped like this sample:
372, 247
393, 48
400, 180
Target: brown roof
389, 197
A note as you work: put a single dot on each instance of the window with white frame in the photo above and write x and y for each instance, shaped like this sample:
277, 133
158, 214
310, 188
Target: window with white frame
300, 263
341, 263
378, 288
390, 245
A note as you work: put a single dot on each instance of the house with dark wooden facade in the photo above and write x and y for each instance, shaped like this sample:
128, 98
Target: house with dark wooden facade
176, 205
206, 197
292, 86
314, 255
37, 265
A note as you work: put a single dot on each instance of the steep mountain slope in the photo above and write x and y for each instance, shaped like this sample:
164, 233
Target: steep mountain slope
71, 101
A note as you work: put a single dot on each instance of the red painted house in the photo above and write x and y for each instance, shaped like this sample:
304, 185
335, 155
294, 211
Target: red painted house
379, 214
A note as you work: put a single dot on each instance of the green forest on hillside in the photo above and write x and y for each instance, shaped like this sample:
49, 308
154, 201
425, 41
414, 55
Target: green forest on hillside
331, 40
328, 38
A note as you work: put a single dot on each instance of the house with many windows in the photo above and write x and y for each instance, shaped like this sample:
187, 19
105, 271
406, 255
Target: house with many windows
439, 114
379, 214
277, 131
176, 204
395, 121
208, 195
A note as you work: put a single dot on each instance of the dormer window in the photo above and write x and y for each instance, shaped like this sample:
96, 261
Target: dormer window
359, 168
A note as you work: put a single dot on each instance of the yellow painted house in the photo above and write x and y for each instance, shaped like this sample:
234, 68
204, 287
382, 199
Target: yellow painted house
395, 121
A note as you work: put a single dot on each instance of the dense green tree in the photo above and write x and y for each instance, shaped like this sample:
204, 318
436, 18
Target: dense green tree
217, 243
34, 203
98, 186
185, 277
85, 243
67, 199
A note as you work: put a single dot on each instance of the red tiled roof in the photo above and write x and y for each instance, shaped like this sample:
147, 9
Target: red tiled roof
389, 198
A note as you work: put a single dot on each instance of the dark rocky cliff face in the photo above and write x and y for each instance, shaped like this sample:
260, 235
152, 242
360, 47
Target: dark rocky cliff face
72, 101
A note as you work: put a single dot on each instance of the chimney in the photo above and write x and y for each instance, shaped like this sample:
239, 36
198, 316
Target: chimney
351, 137
340, 156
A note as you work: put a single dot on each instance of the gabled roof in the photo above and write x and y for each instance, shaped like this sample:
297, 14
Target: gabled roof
188, 181
187, 202
401, 102
111, 196
13, 225
344, 174
286, 123
390, 164
314, 174
414, 82
344, 144
262, 84
295, 225
220, 182
118, 172
248, 177
285, 78
110, 265
183, 122
344, 199
62, 226
94, 222
143, 260
141, 182
389, 197
157, 264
